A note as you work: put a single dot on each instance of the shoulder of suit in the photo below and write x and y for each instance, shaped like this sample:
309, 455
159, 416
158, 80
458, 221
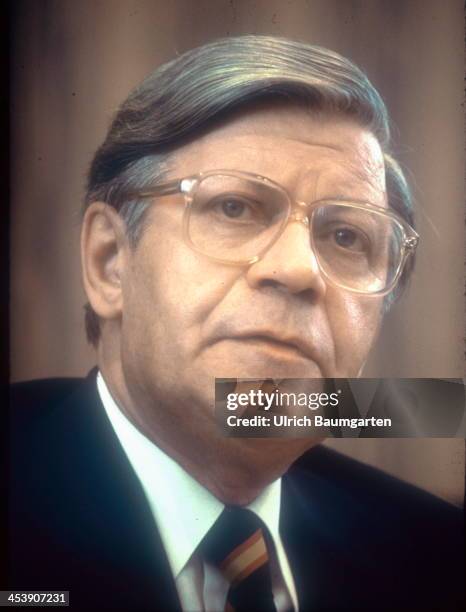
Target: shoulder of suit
366, 485
36, 399
45, 390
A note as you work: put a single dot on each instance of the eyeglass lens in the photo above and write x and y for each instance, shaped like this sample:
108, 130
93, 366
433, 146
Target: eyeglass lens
236, 219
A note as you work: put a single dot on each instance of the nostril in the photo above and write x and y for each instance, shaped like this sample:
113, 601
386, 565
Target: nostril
309, 295
268, 282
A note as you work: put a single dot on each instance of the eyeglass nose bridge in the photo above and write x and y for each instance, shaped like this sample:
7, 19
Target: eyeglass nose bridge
300, 213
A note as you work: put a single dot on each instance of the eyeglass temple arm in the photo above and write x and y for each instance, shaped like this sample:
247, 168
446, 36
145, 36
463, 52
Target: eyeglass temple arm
164, 189
412, 242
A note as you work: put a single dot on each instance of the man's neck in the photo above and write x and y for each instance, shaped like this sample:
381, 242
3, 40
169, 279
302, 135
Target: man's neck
234, 470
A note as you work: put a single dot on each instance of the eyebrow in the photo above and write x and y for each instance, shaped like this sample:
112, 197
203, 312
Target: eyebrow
344, 198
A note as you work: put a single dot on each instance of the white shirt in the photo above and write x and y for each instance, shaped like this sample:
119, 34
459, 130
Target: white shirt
184, 511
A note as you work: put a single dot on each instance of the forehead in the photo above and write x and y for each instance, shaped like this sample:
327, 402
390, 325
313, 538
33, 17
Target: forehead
314, 155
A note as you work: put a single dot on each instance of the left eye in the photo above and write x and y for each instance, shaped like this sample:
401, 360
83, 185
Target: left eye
351, 239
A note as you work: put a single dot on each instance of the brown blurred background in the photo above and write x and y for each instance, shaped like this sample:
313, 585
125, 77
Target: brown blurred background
74, 62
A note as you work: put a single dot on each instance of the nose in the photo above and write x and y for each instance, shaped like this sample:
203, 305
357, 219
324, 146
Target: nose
290, 263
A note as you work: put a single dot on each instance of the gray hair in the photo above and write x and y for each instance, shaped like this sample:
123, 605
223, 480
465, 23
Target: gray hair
186, 96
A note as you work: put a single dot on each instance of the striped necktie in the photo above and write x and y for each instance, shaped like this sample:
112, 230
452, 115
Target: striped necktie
237, 547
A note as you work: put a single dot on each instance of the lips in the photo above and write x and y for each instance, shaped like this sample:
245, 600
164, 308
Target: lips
294, 343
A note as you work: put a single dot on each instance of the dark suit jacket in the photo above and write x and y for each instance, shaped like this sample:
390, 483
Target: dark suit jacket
355, 537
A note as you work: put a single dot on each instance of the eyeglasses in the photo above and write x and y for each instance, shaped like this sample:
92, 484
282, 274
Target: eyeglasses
235, 217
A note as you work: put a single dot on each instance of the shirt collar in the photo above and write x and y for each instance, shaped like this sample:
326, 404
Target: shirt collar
183, 509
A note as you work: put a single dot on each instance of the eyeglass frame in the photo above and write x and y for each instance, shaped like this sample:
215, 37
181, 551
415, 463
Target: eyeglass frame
187, 186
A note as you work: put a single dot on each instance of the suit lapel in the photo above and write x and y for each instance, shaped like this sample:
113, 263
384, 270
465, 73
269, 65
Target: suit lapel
315, 524
120, 535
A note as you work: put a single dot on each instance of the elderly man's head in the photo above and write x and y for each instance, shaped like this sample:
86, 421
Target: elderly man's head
244, 218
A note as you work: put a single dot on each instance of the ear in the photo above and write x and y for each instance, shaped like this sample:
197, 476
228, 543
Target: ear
103, 249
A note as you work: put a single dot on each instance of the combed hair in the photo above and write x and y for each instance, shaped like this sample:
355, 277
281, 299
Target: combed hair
186, 96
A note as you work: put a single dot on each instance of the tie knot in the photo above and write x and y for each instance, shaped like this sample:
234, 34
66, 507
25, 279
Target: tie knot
236, 533
236, 546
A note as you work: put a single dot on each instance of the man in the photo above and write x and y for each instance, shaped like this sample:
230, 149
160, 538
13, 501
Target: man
244, 218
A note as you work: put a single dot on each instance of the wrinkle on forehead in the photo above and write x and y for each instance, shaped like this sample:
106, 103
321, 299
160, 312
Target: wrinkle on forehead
310, 143
362, 176
360, 161
313, 157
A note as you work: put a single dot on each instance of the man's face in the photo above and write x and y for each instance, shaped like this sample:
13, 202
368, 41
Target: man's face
187, 319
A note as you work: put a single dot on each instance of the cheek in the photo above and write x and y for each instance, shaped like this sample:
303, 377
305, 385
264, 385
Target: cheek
354, 322
175, 290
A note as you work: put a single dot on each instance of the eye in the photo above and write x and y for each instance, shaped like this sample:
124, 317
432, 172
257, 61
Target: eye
350, 239
232, 207
237, 208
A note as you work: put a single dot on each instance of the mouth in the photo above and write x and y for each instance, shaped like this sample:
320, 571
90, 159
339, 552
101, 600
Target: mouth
286, 347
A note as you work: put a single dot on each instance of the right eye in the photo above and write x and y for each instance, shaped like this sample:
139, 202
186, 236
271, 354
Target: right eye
232, 207
236, 208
